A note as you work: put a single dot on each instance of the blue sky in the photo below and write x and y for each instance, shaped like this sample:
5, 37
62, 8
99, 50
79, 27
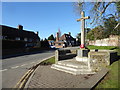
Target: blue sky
45, 17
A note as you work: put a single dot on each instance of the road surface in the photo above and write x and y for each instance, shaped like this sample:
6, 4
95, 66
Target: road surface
14, 68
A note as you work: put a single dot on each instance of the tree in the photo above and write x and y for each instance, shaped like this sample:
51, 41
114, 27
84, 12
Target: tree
118, 9
51, 37
96, 33
90, 35
98, 10
110, 25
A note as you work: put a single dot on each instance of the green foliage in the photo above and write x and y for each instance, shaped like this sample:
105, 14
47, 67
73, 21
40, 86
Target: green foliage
51, 37
96, 33
118, 50
90, 35
49, 61
102, 47
109, 25
111, 80
101, 32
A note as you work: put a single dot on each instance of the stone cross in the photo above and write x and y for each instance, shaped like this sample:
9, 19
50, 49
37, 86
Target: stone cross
82, 19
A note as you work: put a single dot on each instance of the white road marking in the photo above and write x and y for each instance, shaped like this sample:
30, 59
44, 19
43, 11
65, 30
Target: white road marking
15, 67
3, 70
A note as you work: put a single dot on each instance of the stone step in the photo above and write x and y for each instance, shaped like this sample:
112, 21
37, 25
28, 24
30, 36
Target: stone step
73, 63
82, 59
72, 70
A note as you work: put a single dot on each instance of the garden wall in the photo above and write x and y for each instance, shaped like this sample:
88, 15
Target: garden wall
113, 40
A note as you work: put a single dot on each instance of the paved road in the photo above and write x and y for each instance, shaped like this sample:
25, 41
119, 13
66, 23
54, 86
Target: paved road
14, 68
76, 47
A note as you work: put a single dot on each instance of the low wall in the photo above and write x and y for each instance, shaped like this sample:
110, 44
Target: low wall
113, 40
101, 59
64, 54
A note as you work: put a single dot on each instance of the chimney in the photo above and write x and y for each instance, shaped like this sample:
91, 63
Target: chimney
57, 37
37, 32
69, 33
20, 27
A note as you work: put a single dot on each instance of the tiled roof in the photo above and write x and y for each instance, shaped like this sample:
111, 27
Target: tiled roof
14, 32
66, 37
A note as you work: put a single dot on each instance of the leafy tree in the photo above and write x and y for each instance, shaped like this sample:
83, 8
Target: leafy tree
51, 37
90, 35
110, 25
96, 33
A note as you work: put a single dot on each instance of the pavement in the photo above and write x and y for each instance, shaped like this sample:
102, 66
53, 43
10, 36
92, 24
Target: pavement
46, 77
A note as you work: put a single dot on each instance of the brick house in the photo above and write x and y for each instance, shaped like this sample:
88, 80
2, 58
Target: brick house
29, 38
65, 39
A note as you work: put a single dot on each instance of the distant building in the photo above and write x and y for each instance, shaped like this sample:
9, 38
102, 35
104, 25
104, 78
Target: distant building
30, 38
65, 40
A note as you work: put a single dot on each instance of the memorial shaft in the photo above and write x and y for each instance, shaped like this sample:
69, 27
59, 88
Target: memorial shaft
83, 30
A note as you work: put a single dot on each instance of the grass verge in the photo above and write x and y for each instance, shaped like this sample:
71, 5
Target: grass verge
111, 80
117, 49
102, 47
48, 61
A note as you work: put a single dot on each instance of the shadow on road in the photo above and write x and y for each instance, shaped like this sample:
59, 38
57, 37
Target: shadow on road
26, 53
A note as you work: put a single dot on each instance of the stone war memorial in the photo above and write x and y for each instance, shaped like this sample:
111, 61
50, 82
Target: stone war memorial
83, 60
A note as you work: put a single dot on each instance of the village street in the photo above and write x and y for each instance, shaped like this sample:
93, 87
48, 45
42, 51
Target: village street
14, 68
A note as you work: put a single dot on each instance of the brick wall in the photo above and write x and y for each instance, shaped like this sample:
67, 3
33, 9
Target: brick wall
113, 40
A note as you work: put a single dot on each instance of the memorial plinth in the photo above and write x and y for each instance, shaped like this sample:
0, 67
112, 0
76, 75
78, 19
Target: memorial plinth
82, 55
86, 65
78, 65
